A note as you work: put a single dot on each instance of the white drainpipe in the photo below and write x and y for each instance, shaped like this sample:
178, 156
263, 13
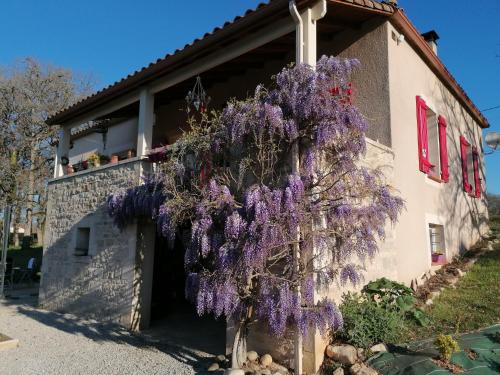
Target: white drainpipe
299, 33
306, 52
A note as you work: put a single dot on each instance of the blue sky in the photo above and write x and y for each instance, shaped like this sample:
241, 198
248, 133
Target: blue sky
112, 38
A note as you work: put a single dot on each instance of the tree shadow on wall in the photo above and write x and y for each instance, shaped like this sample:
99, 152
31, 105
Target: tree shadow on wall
466, 216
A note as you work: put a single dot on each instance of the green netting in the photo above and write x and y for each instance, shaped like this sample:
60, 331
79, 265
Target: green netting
416, 358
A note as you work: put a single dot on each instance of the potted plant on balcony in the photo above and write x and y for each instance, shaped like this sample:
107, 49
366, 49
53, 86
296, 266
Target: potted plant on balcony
94, 160
438, 257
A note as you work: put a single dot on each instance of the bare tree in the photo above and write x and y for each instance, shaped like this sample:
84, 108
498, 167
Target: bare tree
30, 92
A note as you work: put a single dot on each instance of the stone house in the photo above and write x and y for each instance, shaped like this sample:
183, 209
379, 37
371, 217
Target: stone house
425, 133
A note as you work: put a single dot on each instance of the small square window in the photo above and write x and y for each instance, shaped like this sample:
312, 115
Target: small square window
82, 241
437, 244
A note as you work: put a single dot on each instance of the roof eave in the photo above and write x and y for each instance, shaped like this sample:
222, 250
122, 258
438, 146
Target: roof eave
404, 25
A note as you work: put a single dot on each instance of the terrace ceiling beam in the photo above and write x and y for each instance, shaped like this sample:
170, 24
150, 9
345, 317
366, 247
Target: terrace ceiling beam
244, 45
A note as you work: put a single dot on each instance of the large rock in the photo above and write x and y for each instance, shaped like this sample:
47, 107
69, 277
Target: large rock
252, 356
345, 354
362, 369
265, 371
213, 367
266, 360
378, 348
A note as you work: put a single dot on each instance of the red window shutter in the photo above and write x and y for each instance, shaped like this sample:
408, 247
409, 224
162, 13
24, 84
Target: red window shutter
463, 152
477, 179
423, 140
443, 149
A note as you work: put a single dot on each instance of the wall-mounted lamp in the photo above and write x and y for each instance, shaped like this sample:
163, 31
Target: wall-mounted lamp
492, 140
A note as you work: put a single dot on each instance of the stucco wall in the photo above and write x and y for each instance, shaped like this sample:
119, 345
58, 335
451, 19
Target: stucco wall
370, 80
99, 285
120, 137
464, 217
384, 263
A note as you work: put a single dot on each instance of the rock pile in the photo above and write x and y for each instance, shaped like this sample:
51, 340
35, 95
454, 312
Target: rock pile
255, 365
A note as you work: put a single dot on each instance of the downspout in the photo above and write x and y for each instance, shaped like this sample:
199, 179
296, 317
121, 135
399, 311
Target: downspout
299, 33
311, 15
299, 58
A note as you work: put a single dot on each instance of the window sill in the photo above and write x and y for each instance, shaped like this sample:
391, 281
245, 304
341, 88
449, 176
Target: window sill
433, 180
434, 177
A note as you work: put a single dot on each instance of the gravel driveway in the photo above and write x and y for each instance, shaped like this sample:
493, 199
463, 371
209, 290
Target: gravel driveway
52, 343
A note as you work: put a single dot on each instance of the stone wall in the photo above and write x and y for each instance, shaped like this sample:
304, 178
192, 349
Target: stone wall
100, 284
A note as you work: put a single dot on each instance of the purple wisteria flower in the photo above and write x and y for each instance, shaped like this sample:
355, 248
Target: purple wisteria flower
265, 243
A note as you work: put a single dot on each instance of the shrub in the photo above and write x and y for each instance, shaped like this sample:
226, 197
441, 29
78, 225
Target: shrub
390, 294
366, 323
446, 346
395, 296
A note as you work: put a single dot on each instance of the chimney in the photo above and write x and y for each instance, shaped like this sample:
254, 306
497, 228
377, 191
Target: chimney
431, 37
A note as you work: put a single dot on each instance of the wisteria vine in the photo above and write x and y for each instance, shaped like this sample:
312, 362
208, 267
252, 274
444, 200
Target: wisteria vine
230, 179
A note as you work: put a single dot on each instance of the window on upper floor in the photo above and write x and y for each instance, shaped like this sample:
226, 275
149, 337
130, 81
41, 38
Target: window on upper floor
432, 147
470, 168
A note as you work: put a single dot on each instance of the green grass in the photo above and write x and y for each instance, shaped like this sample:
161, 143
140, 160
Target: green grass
495, 223
21, 257
473, 304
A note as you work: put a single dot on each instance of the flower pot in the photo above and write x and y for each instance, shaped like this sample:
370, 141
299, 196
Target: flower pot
70, 169
438, 259
114, 159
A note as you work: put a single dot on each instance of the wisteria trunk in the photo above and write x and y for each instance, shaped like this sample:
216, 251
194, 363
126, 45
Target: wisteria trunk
239, 346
